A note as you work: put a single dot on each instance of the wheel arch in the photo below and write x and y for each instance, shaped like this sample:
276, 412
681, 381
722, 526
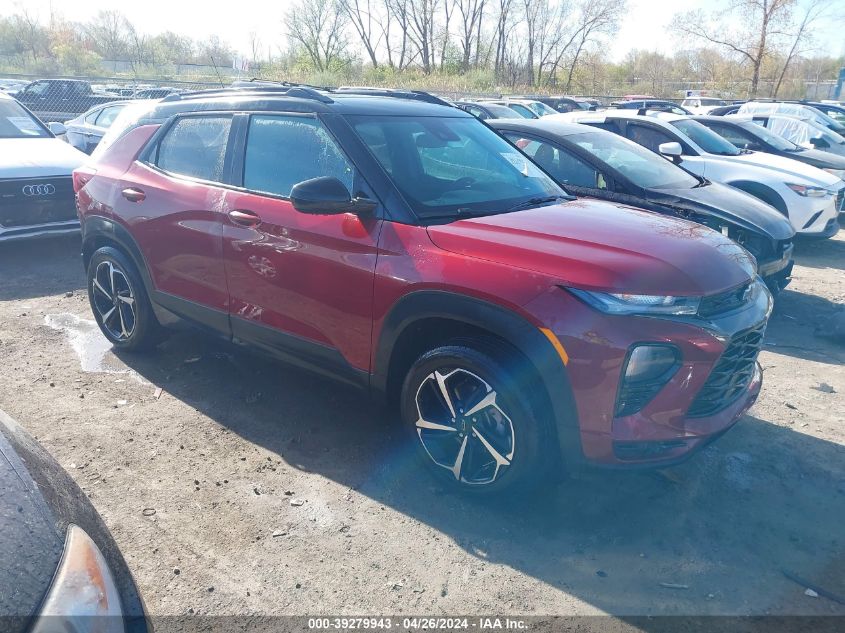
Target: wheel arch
425, 318
98, 232
762, 192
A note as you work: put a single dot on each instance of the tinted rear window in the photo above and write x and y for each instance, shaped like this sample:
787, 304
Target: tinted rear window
196, 147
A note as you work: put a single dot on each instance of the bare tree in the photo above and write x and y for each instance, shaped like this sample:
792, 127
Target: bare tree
760, 23
361, 14
449, 11
421, 24
814, 11
504, 26
28, 35
320, 27
137, 47
109, 34
596, 17
472, 15
398, 10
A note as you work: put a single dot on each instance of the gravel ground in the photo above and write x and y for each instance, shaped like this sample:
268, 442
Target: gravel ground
276, 492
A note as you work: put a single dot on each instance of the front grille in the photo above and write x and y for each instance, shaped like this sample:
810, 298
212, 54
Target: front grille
840, 201
30, 201
731, 375
724, 301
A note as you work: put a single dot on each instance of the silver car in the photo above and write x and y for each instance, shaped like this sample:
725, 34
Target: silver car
87, 130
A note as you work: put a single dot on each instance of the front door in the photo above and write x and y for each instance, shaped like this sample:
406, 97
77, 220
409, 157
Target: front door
299, 284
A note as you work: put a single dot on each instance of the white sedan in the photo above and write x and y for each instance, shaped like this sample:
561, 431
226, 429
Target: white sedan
808, 196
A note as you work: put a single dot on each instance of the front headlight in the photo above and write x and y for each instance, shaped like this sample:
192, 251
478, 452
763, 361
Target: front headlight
612, 303
809, 192
83, 597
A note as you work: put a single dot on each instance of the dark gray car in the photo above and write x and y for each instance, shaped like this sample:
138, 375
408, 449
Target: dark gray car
58, 557
600, 164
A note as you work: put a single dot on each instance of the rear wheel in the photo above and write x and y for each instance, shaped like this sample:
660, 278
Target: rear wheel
470, 422
119, 301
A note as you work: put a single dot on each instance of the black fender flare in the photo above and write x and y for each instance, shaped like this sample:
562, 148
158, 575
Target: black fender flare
97, 228
762, 192
506, 325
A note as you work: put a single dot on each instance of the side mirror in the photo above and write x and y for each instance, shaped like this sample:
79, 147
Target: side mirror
672, 150
327, 196
57, 128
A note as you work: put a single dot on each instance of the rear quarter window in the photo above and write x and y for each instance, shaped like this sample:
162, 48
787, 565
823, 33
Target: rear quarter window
195, 147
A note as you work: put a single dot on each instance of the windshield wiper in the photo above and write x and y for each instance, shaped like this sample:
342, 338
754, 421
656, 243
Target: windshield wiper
536, 202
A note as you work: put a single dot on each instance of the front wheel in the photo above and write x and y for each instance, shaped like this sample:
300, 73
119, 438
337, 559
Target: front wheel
119, 301
470, 422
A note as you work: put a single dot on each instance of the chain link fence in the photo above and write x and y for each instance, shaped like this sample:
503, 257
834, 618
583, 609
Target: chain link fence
64, 98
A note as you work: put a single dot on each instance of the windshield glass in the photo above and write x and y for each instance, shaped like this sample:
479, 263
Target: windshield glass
642, 167
541, 108
522, 110
500, 111
706, 138
447, 167
16, 122
778, 142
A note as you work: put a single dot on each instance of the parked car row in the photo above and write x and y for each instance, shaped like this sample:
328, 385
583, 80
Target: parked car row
397, 243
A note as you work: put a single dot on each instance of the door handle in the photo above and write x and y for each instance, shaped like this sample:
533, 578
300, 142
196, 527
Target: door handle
244, 218
133, 195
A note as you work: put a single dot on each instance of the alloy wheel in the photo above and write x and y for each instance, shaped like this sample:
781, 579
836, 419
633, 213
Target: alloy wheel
463, 427
114, 300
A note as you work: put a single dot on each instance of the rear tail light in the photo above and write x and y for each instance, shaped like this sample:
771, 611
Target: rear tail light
81, 176
646, 371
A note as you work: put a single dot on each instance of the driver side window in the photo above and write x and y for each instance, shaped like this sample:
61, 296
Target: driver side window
564, 166
282, 151
647, 136
737, 137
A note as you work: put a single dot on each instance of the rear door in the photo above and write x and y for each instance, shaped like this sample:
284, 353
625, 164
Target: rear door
300, 285
175, 204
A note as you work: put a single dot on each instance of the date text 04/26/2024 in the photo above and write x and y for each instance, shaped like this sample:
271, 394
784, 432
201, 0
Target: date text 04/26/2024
416, 623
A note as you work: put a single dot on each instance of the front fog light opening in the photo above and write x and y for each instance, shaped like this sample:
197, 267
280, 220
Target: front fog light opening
646, 371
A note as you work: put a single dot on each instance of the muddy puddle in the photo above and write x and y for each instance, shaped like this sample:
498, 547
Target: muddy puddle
88, 343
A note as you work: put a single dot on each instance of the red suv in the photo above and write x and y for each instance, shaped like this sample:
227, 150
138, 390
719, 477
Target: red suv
400, 245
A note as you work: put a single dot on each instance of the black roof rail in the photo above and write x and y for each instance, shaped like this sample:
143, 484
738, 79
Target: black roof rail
293, 90
399, 93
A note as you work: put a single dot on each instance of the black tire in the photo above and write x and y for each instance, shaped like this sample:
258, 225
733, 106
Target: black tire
530, 455
140, 332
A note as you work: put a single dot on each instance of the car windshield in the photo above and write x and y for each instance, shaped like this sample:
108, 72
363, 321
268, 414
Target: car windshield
523, 111
16, 122
778, 142
500, 111
541, 108
447, 167
641, 166
584, 105
706, 138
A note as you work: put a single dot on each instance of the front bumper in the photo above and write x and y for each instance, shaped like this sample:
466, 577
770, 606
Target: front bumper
823, 222
672, 425
51, 229
777, 273
37, 207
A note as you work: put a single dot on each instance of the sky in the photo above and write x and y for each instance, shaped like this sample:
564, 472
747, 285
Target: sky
645, 27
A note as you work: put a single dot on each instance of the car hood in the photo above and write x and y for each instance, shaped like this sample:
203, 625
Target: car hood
597, 245
31, 545
786, 167
38, 157
729, 204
